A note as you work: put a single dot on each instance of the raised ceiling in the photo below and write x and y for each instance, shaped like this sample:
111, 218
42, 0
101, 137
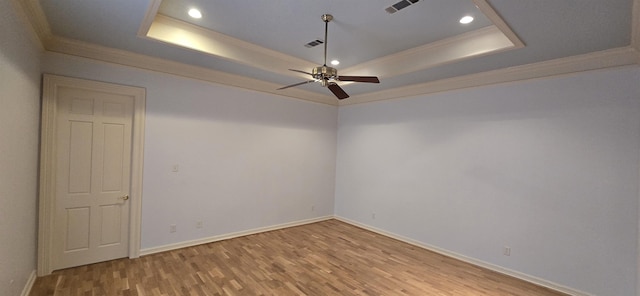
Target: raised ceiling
358, 33
419, 49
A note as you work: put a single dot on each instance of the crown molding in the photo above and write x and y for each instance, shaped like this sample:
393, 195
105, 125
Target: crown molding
476, 43
126, 58
34, 18
183, 34
149, 16
491, 39
610, 58
32, 13
592, 61
499, 22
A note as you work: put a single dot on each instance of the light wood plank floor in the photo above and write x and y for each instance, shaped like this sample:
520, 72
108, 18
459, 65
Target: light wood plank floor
325, 258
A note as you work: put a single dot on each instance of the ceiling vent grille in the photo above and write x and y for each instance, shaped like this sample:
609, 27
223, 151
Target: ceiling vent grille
399, 6
314, 43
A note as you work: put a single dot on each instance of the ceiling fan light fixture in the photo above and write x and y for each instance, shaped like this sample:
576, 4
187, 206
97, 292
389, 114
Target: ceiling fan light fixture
327, 76
467, 19
195, 13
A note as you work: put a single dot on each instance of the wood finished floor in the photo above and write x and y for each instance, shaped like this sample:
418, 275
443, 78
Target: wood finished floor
325, 258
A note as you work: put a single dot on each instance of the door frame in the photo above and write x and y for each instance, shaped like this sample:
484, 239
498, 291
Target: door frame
47, 188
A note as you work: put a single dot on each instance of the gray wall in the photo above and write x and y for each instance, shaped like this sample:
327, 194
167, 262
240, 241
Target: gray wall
247, 160
547, 167
19, 138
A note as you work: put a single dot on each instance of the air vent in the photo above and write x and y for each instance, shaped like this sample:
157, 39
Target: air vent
400, 5
314, 43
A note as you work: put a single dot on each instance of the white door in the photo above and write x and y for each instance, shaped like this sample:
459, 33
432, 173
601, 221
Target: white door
92, 176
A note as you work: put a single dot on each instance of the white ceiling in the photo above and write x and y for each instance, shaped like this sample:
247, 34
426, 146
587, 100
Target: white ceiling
357, 34
361, 36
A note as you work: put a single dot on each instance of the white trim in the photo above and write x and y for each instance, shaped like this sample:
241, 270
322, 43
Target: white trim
480, 42
137, 168
499, 22
496, 268
149, 16
46, 183
32, 26
29, 285
616, 57
610, 58
183, 34
126, 58
484, 41
32, 13
180, 245
46, 196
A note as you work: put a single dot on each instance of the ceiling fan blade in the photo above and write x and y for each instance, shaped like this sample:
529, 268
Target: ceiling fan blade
326, 75
300, 83
369, 79
337, 90
300, 71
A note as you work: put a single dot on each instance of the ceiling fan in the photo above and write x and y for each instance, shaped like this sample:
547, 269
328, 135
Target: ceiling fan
327, 76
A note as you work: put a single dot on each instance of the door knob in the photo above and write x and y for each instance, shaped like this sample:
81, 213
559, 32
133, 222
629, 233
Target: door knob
124, 197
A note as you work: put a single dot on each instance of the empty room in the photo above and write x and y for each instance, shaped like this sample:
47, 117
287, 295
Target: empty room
362, 147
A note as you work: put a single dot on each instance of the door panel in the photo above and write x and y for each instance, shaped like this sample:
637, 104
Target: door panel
93, 163
77, 224
110, 230
80, 146
113, 159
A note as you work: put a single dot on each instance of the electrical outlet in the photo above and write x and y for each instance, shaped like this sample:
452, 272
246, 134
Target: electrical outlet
373, 215
313, 208
199, 224
506, 251
172, 228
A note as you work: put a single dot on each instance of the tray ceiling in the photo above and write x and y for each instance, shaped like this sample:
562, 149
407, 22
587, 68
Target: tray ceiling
251, 44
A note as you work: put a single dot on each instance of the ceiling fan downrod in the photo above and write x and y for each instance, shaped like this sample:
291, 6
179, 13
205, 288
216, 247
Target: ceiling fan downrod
324, 73
328, 76
326, 18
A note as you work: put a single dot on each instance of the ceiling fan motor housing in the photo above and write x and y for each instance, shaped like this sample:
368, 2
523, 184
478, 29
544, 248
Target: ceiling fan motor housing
324, 72
327, 76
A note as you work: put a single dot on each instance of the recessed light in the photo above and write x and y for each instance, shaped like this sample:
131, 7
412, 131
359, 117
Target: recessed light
466, 19
335, 62
194, 13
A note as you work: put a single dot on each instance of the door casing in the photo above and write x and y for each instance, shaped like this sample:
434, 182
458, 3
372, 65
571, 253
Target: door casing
46, 192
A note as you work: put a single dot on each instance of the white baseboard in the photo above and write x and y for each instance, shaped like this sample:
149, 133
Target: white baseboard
216, 238
483, 264
496, 268
29, 284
